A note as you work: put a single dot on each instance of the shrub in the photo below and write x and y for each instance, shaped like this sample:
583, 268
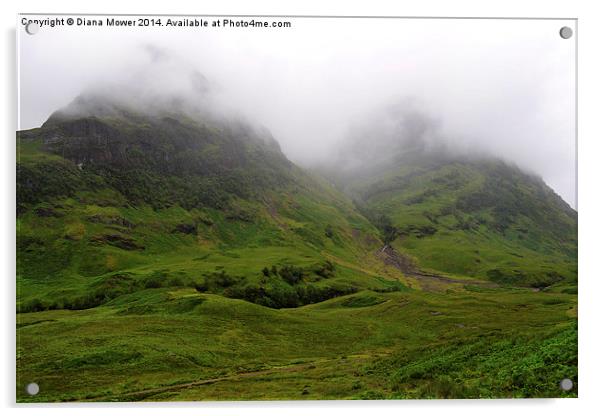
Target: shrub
33, 305
217, 281
291, 274
325, 269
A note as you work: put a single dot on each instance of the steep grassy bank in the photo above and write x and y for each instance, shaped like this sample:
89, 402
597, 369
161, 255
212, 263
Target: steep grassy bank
471, 217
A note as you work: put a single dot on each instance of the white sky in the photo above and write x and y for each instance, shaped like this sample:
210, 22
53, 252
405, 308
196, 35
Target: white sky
502, 86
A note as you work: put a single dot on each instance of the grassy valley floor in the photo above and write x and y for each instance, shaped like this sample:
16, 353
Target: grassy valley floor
178, 344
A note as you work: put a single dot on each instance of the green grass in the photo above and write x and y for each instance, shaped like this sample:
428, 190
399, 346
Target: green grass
69, 245
391, 345
215, 269
469, 218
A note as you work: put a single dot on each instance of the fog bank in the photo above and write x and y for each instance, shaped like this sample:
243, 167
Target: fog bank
500, 87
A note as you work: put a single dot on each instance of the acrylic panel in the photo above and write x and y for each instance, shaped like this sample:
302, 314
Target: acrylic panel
238, 208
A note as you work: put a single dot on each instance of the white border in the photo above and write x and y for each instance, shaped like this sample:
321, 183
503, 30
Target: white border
590, 209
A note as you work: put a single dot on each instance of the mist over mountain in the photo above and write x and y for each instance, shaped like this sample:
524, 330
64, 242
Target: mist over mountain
419, 185
385, 136
161, 84
400, 133
510, 95
454, 208
364, 214
406, 177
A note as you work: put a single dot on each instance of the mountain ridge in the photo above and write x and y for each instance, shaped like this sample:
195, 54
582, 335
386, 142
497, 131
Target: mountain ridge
159, 251
425, 202
99, 198
433, 196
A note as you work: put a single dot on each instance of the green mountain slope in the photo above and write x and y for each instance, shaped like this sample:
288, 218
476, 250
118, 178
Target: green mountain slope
121, 201
470, 216
176, 255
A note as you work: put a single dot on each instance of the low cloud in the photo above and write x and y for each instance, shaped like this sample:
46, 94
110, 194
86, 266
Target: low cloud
501, 87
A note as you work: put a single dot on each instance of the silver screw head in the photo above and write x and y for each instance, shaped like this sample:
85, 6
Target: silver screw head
566, 384
32, 28
32, 389
566, 32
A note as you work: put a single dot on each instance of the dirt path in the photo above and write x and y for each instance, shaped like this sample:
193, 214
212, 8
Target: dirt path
428, 281
422, 275
145, 393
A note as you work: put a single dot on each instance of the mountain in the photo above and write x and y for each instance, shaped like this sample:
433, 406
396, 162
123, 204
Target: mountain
168, 252
112, 200
457, 212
